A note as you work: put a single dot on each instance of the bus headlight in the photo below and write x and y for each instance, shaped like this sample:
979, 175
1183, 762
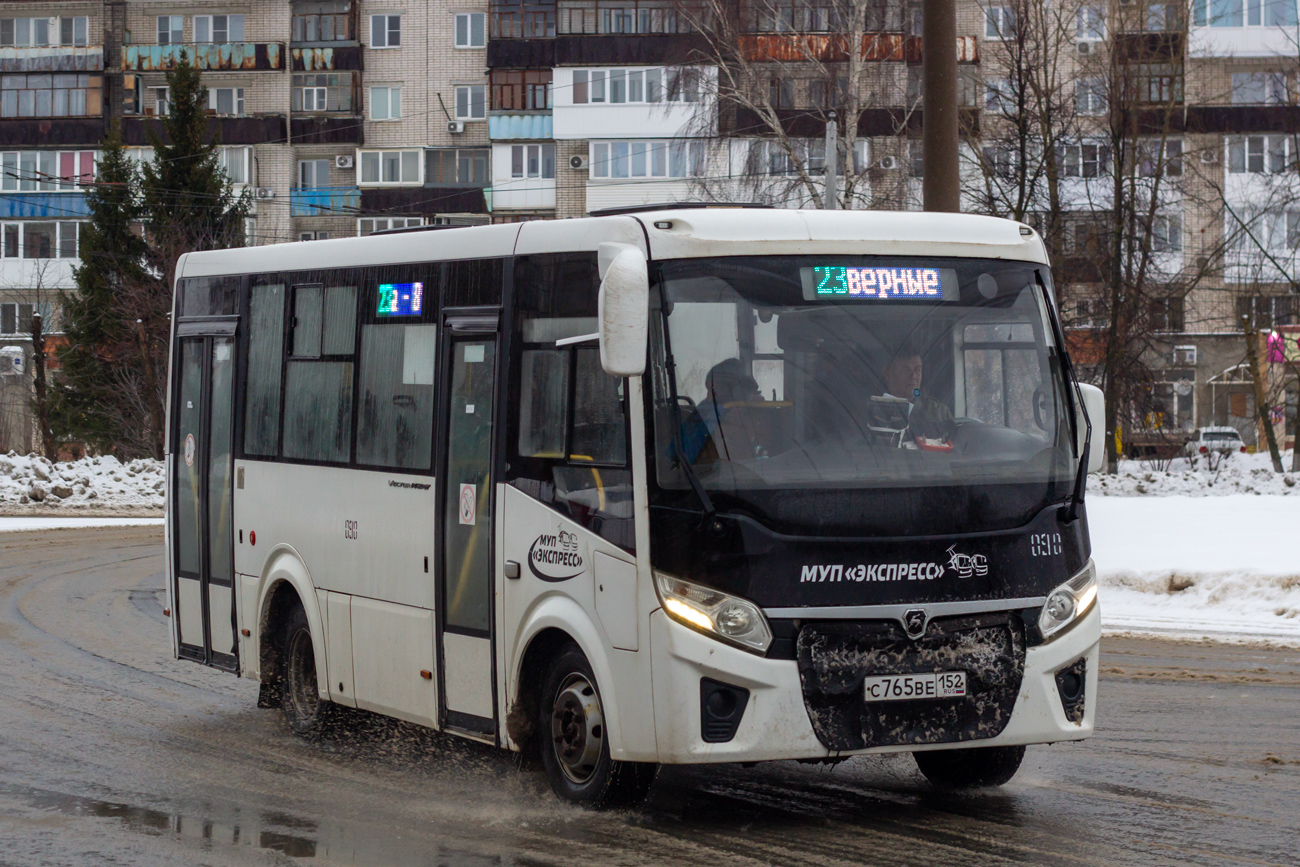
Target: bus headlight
1069, 602
721, 615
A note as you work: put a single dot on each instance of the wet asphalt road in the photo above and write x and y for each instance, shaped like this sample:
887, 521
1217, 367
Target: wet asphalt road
111, 752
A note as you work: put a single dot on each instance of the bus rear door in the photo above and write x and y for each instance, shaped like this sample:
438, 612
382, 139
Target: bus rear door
203, 589
466, 600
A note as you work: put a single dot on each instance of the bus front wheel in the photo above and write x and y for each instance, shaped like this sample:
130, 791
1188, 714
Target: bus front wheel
572, 738
970, 768
309, 715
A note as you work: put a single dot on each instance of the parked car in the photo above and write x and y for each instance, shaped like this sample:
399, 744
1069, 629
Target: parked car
1219, 439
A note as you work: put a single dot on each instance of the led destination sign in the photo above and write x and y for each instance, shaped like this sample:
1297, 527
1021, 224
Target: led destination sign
400, 299
837, 282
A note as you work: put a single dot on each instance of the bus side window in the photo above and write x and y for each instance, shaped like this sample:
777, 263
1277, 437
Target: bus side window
318, 378
395, 429
544, 402
599, 432
265, 357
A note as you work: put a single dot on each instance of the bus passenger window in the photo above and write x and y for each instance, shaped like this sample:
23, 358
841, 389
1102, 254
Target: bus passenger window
395, 427
544, 402
340, 327
307, 315
265, 354
598, 431
318, 377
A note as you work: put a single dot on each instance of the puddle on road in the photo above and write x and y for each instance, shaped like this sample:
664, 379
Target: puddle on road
271, 830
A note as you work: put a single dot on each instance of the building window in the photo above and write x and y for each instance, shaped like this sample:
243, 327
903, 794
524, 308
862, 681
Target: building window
370, 225
322, 91
30, 171
1000, 161
822, 93
1090, 24
1257, 154
226, 101
521, 90
322, 22
313, 173
1164, 17
915, 159
218, 28
652, 85
393, 167
171, 29
1159, 82
237, 162
679, 158
39, 240
1166, 233
51, 95
38, 33
318, 235
780, 92
1157, 160
1166, 314
471, 102
470, 29
462, 166
999, 22
161, 101
1083, 160
1244, 13
532, 161
385, 103
1090, 96
998, 96
1260, 88
630, 18
385, 31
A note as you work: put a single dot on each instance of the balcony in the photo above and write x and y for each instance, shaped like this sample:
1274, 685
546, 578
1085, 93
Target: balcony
222, 56
69, 59
324, 201
525, 126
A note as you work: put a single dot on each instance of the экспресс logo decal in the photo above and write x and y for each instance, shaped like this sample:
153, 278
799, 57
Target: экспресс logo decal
555, 557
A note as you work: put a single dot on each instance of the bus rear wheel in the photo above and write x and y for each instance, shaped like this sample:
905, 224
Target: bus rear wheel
309, 715
970, 768
573, 743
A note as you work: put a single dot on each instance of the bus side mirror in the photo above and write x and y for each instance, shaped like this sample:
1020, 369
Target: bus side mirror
624, 309
1094, 405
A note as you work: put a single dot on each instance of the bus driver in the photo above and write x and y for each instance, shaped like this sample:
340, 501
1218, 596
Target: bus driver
928, 419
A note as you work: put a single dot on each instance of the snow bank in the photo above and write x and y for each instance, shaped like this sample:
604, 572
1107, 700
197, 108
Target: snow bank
1225, 567
32, 485
15, 525
1235, 474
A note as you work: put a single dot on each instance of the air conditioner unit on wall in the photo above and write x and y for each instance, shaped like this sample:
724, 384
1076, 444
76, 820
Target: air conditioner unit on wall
343, 161
265, 193
455, 127
577, 163
889, 163
1184, 355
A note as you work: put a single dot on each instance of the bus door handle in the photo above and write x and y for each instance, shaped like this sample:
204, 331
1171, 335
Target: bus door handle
512, 569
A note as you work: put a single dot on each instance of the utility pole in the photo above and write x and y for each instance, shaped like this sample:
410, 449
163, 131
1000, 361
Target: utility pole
832, 163
41, 402
940, 188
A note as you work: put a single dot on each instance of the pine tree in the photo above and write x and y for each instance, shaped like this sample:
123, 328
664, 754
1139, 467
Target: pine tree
97, 363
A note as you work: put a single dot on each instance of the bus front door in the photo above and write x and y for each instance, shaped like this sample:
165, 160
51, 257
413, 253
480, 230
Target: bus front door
465, 599
203, 588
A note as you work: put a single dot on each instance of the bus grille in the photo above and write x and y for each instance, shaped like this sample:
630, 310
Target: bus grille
835, 656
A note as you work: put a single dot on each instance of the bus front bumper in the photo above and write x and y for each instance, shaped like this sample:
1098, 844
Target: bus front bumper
775, 722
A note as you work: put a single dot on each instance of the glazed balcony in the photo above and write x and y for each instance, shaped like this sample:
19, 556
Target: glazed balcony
207, 56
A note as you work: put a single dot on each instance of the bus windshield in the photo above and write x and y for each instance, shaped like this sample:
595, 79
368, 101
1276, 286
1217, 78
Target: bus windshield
802, 373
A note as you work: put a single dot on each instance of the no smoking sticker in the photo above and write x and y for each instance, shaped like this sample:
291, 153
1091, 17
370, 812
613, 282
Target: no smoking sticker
189, 450
468, 505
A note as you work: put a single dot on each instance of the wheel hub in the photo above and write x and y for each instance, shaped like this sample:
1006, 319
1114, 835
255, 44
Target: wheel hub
577, 728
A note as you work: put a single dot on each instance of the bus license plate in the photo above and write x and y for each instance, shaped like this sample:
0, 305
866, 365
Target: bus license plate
909, 687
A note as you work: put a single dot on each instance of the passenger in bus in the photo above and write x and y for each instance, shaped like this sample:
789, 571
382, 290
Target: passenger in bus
730, 386
926, 417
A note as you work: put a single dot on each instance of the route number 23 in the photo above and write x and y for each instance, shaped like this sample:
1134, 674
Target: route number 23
1044, 544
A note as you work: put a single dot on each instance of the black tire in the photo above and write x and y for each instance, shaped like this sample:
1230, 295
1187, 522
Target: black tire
309, 715
970, 768
570, 737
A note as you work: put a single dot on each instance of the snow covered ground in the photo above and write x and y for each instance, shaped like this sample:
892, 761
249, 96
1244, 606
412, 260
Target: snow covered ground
1235, 474
13, 525
31, 485
1223, 567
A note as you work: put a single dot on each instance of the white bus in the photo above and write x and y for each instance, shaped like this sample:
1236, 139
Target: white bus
681, 485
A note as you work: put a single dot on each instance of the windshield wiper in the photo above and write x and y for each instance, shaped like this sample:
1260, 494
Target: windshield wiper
1067, 368
710, 512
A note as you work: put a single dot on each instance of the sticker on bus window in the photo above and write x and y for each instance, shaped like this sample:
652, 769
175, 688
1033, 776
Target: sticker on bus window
468, 505
189, 450
474, 353
400, 299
